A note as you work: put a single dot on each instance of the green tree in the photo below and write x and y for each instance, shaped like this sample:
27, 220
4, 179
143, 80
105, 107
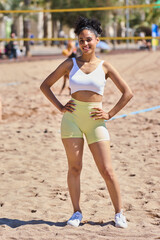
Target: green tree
2, 7
144, 16
16, 5
12, 5
46, 5
69, 18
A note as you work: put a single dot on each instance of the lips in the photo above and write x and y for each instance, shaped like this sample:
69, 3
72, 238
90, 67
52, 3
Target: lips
86, 48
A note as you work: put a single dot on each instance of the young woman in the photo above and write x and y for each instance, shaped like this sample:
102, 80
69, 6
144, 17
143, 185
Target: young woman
83, 115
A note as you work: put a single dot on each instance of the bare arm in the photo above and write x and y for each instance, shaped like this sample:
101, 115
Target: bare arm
45, 87
127, 94
122, 86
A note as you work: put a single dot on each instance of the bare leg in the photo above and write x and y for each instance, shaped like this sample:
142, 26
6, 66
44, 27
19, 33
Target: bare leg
74, 151
101, 153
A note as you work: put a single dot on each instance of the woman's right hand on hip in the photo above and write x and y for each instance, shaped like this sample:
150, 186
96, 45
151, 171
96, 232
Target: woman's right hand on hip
69, 107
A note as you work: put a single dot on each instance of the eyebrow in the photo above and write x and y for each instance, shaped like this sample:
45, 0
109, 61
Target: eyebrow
85, 37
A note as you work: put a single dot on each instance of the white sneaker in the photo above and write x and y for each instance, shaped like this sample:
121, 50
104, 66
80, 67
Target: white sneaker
75, 219
120, 220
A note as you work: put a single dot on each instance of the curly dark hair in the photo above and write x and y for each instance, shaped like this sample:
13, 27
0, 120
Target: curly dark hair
84, 23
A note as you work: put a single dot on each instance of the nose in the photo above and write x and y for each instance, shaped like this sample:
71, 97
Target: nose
85, 42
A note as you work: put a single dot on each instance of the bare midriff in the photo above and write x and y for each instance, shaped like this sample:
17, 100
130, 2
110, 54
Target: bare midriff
87, 96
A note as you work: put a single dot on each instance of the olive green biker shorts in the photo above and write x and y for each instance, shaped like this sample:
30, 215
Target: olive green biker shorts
79, 122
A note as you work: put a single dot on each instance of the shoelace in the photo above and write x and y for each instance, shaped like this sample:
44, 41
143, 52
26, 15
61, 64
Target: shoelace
120, 216
76, 215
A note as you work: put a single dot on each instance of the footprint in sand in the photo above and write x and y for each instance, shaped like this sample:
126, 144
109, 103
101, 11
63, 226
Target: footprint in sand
58, 193
128, 207
139, 195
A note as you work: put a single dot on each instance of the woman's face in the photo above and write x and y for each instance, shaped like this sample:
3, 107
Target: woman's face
87, 41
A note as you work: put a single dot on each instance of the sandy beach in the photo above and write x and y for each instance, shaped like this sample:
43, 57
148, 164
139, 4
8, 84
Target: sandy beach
34, 200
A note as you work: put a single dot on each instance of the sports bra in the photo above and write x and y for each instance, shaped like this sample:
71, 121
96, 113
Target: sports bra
94, 81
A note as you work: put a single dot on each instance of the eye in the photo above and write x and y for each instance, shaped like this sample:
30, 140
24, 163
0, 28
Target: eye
89, 39
81, 41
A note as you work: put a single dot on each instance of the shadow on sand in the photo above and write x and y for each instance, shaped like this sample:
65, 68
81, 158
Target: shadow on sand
15, 223
102, 224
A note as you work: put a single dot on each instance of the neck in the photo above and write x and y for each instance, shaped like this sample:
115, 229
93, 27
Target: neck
88, 58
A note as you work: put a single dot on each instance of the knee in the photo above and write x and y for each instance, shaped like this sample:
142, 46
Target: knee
108, 174
75, 170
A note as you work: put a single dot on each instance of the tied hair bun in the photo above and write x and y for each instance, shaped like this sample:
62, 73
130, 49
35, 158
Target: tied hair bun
92, 24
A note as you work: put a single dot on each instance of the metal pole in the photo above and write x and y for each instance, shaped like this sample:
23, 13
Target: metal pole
127, 22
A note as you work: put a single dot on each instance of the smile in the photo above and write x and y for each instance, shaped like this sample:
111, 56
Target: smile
86, 48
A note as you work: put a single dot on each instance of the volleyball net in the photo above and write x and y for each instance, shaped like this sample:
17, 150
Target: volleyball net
109, 8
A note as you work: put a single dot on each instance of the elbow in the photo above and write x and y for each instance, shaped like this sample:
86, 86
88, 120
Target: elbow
42, 87
45, 85
130, 95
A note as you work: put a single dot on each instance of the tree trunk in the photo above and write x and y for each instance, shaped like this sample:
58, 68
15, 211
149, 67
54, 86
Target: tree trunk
45, 27
14, 26
26, 29
115, 29
119, 32
54, 30
26, 26
27, 2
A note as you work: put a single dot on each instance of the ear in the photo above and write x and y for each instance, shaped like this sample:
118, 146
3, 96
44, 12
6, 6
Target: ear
98, 40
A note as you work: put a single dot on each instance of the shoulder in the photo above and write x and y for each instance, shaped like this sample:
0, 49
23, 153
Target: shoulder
67, 64
108, 68
107, 65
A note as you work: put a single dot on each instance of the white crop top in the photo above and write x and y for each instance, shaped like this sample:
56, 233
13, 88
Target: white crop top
94, 81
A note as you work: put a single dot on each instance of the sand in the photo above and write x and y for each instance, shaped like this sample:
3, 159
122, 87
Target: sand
34, 201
